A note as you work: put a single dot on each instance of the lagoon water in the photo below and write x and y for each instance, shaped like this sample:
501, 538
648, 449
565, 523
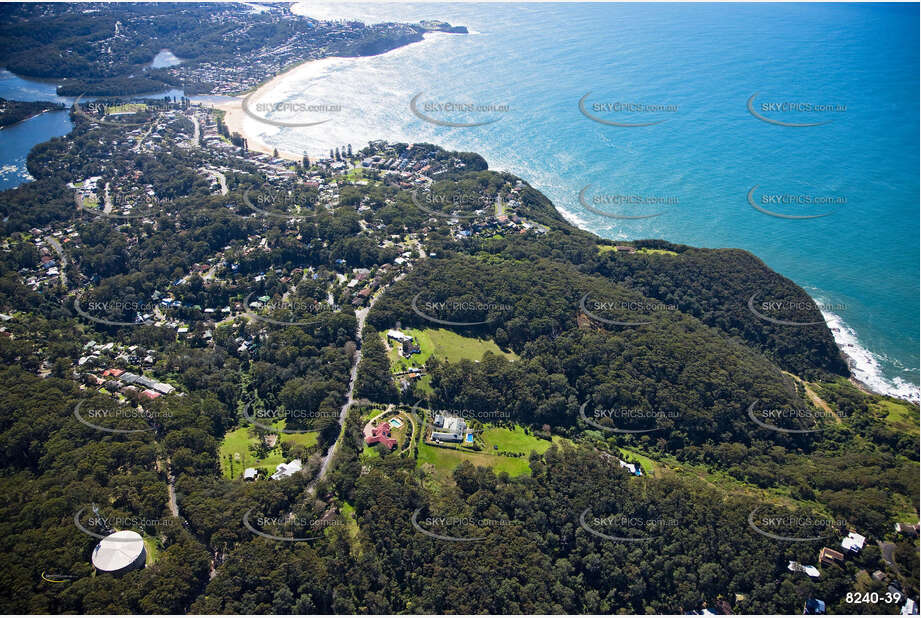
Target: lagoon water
17, 140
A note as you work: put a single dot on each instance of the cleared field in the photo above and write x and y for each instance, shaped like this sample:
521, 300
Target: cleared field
126, 108
453, 347
446, 460
236, 456
444, 344
514, 440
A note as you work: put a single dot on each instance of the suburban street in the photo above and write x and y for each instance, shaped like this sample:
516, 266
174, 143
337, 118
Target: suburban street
360, 315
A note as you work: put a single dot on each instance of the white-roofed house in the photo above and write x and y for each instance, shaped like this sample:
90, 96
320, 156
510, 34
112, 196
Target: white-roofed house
453, 429
284, 470
853, 542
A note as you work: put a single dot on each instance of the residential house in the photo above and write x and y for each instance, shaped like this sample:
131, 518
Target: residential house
451, 429
381, 434
853, 542
828, 556
284, 470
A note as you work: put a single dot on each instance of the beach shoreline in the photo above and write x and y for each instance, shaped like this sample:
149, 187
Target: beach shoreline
235, 117
863, 366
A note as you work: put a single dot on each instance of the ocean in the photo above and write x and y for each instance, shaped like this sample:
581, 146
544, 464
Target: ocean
714, 89
695, 66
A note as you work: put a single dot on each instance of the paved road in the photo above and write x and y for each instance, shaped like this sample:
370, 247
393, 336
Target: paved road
108, 201
62, 257
220, 178
361, 315
137, 147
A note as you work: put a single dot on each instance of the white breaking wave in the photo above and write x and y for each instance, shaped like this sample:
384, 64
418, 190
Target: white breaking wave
865, 365
374, 94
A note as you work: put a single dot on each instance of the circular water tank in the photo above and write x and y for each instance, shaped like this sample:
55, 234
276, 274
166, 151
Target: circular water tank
120, 551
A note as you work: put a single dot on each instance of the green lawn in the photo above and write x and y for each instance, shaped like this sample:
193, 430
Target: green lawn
446, 460
444, 344
513, 440
370, 413
236, 443
152, 547
648, 465
347, 512
370, 452
902, 416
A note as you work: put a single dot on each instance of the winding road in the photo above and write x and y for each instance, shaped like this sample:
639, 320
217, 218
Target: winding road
360, 315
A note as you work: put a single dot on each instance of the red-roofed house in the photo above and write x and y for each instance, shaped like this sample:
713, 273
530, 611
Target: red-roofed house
381, 434
113, 372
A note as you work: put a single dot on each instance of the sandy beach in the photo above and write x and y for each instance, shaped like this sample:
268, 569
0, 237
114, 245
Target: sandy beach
238, 121
234, 119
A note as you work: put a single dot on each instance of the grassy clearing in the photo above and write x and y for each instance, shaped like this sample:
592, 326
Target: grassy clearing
235, 454
126, 108
446, 460
445, 345
902, 416
347, 511
152, 547
452, 347
644, 251
513, 440
371, 413
648, 465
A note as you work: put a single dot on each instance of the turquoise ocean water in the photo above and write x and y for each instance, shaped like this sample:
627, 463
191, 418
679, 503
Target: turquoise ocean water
695, 67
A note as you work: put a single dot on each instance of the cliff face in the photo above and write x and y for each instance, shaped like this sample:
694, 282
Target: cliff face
432, 25
372, 46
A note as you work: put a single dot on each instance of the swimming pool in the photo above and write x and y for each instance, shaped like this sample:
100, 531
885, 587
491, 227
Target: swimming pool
469, 438
395, 422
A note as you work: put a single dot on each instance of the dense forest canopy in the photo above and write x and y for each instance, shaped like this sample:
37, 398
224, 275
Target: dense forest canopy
232, 312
